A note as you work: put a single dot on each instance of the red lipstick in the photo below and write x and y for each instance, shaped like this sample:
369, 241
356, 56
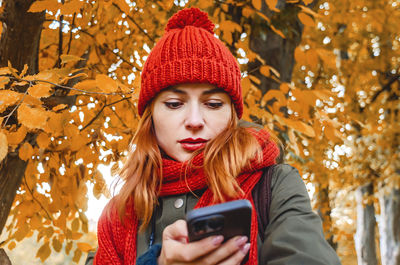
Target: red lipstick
190, 144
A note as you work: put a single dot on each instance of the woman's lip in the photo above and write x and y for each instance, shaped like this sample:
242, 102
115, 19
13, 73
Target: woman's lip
193, 141
192, 146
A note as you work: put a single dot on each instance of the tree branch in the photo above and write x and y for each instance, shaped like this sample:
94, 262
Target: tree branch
134, 22
70, 34
16, 107
36, 200
72, 88
101, 110
386, 87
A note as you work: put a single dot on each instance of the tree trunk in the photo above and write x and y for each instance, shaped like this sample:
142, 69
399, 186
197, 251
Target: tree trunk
277, 52
389, 228
19, 44
324, 211
4, 260
12, 169
20, 38
365, 236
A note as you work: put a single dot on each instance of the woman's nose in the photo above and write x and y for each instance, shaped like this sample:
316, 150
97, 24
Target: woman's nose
194, 118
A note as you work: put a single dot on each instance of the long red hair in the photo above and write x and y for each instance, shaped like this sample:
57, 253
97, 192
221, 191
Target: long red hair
224, 158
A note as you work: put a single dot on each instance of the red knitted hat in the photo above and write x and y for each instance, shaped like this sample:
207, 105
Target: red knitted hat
189, 53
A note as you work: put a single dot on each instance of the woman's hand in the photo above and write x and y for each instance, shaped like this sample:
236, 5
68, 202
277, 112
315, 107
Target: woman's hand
210, 250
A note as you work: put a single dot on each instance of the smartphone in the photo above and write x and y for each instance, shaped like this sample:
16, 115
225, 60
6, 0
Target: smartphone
228, 219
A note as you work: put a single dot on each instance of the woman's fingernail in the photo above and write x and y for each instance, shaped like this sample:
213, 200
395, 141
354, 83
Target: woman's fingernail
216, 240
241, 240
245, 248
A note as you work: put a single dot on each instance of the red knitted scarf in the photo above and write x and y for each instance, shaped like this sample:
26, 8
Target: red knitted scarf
117, 242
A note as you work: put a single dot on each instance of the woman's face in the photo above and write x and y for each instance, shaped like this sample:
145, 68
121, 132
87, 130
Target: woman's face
187, 116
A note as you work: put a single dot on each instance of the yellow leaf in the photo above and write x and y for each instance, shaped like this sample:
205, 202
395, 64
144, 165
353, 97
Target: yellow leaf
307, 2
264, 70
3, 146
299, 126
44, 252
43, 140
35, 222
272, 5
68, 247
75, 225
66, 58
60, 107
255, 79
78, 142
13, 71
39, 6
56, 244
101, 38
85, 247
300, 56
32, 118
5, 71
71, 7
8, 98
261, 14
106, 83
247, 11
306, 19
24, 70
276, 94
87, 85
323, 94
256, 4
77, 255
40, 90
273, 70
204, 4
312, 58
123, 5
330, 132
12, 245
76, 235
284, 87
25, 151
309, 11
277, 31
293, 142
230, 26
4, 80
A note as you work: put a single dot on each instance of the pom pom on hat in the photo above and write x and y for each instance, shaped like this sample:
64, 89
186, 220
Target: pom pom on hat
190, 17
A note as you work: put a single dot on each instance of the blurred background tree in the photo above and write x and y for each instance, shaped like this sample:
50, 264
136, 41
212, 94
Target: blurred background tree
323, 75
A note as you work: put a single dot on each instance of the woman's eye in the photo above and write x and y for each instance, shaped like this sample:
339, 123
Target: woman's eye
173, 104
214, 105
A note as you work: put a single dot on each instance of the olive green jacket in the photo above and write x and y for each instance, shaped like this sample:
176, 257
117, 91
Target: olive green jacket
293, 236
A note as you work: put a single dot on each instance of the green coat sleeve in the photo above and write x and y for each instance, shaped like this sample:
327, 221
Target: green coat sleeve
294, 234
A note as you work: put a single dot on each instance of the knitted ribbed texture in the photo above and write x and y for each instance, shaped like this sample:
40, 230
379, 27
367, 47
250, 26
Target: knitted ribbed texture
117, 242
188, 52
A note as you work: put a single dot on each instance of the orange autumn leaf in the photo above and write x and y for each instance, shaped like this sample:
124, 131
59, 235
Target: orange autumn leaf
40, 90
8, 98
85, 247
32, 118
306, 19
106, 83
25, 151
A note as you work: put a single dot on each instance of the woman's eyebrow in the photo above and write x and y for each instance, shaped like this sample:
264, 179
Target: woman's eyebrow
178, 91
213, 91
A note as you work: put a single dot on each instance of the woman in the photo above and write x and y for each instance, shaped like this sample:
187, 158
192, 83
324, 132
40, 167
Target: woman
191, 151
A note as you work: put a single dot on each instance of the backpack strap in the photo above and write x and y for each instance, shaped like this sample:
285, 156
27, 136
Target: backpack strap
262, 199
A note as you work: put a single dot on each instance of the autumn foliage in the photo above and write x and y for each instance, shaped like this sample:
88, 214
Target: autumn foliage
324, 75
